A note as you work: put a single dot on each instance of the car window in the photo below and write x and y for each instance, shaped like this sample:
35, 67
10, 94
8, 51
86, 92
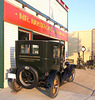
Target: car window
25, 48
56, 52
63, 51
35, 49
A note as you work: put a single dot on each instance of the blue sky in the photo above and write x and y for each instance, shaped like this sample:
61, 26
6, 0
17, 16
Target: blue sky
81, 14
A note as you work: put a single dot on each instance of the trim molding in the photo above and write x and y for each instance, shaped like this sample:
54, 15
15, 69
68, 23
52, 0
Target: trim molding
1, 45
31, 38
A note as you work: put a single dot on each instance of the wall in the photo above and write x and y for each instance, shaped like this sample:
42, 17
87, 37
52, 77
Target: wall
76, 41
10, 35
93, 45
41, 5
58, 13
50, 8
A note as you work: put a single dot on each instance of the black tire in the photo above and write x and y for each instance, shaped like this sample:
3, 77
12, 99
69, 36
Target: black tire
53, 91
27, 77
72, 75
14, 86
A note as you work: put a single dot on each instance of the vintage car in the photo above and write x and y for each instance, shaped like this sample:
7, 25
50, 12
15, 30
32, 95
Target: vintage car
40, 63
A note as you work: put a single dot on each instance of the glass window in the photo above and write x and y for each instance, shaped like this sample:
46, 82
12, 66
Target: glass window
63, 51
25, 48
56, 52
35, 49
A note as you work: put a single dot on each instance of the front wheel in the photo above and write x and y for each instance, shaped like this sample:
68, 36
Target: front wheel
14, 86
53, 91
72, 76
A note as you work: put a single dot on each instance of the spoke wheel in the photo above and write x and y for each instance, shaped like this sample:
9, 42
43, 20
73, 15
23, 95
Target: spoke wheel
27, 77
53, 91
72, 76
14, 86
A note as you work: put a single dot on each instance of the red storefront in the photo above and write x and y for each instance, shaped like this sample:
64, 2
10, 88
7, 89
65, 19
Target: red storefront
23, 19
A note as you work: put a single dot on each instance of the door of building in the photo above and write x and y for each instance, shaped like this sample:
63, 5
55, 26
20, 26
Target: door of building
24, 35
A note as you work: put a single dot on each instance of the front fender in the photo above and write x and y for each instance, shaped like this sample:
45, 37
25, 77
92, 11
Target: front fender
51, 77
72, 67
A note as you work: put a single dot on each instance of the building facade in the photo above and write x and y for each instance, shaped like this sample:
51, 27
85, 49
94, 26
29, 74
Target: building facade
93, 44
78, 39
29, 20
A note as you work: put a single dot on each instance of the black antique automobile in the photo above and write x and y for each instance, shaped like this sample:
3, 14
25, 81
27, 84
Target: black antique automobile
40, 63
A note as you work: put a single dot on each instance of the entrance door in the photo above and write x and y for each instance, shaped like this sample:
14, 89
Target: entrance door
24, 35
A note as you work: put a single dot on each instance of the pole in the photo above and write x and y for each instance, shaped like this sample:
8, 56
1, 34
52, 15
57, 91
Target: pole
83, 56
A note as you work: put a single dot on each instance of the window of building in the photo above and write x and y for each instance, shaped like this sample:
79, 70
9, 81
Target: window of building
24, 34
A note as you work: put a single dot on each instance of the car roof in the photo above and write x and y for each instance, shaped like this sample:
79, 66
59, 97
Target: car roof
54, 41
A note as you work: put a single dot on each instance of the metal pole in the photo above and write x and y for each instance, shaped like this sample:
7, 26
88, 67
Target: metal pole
83, 56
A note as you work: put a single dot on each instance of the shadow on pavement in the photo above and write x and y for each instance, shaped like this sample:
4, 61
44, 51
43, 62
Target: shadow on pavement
93, 91
83, 86
43, 90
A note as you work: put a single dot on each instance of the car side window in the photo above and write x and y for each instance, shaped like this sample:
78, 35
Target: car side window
56, 52
25, 49
35, 49
63, 51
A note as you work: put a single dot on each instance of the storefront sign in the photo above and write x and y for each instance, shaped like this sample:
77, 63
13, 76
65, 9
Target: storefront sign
21, 18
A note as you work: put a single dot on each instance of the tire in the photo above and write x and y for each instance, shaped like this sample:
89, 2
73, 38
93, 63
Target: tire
72, 75
27, 77
14, 86
53, 91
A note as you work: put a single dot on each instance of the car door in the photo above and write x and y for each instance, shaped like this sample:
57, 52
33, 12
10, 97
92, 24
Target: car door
62, 56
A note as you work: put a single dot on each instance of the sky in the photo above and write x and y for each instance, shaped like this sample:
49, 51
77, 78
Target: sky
81, 15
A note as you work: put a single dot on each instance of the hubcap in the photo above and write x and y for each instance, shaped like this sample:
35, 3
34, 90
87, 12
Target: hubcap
55, 86
26, 77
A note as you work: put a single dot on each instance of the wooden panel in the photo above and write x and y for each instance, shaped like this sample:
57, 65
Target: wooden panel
10, 35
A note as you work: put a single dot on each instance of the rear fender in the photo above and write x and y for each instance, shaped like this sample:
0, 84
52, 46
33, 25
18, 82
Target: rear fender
13, 70
51, 77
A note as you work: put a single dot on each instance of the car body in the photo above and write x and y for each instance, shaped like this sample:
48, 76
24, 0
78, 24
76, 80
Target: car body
42, 63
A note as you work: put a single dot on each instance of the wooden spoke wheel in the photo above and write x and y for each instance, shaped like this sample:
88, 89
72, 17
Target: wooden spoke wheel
27, 77
53, 91
14, 86
72, 76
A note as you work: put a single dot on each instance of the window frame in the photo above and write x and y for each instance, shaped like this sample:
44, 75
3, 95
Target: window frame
30, 49
58, 51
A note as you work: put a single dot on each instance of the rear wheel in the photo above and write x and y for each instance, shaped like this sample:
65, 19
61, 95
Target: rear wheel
27, 77
53, 91
14, 86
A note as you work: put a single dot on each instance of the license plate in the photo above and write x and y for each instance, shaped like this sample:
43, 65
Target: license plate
11, 75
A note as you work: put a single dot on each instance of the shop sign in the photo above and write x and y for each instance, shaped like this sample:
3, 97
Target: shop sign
21, 18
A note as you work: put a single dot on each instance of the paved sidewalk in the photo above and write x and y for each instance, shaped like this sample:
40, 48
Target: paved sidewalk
37, 94
83, 88
83, 83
